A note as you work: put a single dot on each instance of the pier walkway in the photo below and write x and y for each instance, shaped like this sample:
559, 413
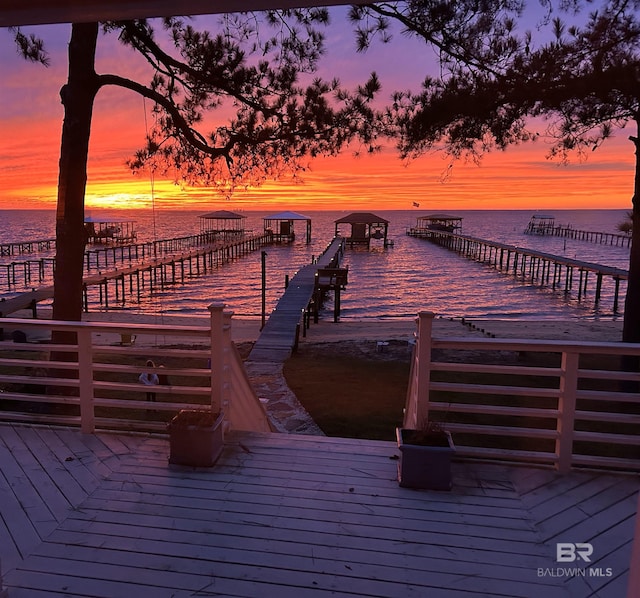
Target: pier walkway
535, 266
274, 346
278, 336
24, 247
568, 232
114, 286
98, 259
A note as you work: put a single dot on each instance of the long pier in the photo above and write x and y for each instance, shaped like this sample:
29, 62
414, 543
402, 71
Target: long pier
537, 267
279, 335
39, 270
114, 286
615, 239
24, 247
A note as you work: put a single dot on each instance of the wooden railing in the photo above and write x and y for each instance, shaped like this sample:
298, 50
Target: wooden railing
94, 382
557, 403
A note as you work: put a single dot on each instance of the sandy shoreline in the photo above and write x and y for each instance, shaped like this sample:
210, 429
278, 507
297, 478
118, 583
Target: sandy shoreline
598, 331
248, 329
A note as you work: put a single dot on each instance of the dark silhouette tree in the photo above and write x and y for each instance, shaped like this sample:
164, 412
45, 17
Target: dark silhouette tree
277, 122
626, 226
584, 82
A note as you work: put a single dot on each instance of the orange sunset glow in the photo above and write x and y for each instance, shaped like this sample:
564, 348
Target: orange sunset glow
519, 178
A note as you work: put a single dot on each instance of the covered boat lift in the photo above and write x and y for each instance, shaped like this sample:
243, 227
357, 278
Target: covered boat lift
222, 223
541, 224
439, 222
281, 226
104, 230
364, 227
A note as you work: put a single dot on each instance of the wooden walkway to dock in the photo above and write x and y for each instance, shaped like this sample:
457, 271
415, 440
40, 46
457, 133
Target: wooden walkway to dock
278, 336
537, 267
105, 516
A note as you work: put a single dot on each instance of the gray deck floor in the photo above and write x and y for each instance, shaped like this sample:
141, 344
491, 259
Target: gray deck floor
294, 516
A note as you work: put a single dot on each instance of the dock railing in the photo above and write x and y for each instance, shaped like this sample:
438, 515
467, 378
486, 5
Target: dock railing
557, 403
94, 383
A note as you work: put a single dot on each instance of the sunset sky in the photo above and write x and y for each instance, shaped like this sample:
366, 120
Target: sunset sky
31, 118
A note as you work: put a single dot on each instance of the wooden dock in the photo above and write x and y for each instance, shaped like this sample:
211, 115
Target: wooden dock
116, 285
25, 247
568, 232
279, 335
104, 515
28, 272
536, 267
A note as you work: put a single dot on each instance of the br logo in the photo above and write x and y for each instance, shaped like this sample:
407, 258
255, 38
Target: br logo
568, 552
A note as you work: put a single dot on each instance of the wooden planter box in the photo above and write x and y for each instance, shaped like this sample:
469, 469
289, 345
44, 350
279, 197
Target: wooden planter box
195, 438
425, 465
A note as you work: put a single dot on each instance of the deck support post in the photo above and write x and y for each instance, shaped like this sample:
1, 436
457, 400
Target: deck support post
417, 409
566, 410
85, 380
216, 311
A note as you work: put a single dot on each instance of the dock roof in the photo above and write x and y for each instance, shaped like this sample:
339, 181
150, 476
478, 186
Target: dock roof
287, 216
222, 215
361, 217
439, 217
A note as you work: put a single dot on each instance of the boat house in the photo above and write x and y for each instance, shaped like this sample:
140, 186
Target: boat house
540, 224
439, 222
109, 230
365, 226
281, 226
222, 224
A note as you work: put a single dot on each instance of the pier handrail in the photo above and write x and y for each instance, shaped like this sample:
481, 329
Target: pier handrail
98, 386
157, 270
563, 415
518, 260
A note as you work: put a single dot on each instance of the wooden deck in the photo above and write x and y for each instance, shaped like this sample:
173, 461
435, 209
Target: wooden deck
293, 516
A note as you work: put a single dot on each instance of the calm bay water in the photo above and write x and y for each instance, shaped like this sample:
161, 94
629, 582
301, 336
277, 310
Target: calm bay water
397, 282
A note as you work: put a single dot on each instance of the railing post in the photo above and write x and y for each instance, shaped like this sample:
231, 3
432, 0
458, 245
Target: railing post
566, 410
423, 370
226, 365
85, 380
217, 355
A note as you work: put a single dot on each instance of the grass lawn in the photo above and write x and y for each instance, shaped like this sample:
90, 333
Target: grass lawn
357, 394
353, 392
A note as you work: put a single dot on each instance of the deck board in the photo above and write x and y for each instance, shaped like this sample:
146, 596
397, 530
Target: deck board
297, 516
25, 498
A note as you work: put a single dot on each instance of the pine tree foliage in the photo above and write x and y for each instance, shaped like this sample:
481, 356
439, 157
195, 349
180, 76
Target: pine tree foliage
231, 108
575, 79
